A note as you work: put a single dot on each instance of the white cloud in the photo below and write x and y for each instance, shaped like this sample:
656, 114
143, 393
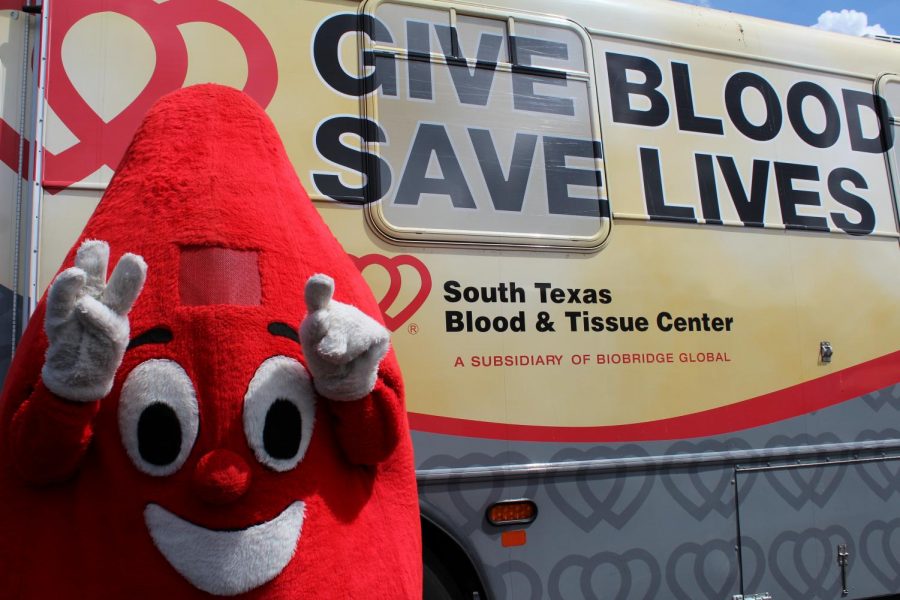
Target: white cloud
847, 21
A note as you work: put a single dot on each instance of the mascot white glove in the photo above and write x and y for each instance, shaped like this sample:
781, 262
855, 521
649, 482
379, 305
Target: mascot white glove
342, 345
87, 322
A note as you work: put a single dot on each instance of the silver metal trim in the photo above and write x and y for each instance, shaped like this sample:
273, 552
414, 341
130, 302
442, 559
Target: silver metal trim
605, 465
37, 165
20, 183
818, 463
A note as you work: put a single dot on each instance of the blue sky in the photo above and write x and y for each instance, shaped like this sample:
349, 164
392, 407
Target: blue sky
885, 13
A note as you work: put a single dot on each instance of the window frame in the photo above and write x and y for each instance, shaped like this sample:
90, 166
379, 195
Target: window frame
892, 120
374, 209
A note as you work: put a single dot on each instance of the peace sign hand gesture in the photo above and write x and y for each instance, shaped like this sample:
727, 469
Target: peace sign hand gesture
87, 322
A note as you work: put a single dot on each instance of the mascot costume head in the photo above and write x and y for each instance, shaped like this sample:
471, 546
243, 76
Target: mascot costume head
168, 431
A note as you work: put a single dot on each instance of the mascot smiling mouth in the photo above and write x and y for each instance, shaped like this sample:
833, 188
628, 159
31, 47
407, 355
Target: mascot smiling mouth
226, 562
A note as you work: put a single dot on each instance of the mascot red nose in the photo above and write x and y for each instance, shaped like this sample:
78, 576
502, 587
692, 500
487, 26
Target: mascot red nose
219, 414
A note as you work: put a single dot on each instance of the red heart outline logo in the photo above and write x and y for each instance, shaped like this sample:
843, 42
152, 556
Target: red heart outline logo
101, 143
392, 266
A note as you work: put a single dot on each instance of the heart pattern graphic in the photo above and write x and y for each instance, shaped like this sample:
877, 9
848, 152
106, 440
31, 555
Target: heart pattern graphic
706, 489
611, 497
879, 548
803, 562
712, 568
883, 476
396, 318
889, 396
803, 485
469, 498
511, 577
637, 576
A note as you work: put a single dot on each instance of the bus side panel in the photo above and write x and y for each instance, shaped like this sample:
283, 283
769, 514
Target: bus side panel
648, 534
806, 517
670, 530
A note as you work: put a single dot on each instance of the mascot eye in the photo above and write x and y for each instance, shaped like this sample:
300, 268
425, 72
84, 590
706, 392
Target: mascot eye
158, 416
279, 410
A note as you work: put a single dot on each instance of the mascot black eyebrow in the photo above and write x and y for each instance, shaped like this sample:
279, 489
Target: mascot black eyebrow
171, 430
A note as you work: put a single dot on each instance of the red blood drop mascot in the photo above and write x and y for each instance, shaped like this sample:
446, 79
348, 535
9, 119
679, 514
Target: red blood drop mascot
168, 431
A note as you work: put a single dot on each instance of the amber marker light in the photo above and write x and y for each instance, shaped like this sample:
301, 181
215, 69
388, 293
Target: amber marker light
511, 512
516, 537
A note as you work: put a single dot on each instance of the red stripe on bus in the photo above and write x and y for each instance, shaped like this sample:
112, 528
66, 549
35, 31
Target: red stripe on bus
9, 147
789, 402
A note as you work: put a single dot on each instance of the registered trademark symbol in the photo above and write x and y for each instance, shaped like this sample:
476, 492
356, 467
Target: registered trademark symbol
413, 328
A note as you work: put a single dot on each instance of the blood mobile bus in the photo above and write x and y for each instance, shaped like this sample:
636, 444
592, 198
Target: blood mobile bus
640, 260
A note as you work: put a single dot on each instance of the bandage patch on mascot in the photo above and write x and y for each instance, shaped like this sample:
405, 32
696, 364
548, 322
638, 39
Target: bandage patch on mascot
205, 402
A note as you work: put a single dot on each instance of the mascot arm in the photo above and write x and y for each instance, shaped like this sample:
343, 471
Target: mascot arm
86, 322
369, 429
344, 349
49, 436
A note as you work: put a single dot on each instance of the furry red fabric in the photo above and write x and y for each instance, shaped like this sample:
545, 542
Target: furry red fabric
92, 507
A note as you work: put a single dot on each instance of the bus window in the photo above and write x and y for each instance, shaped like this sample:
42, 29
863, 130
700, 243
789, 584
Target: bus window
486, 130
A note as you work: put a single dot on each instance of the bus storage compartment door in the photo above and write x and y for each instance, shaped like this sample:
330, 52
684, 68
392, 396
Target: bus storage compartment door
820, 528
